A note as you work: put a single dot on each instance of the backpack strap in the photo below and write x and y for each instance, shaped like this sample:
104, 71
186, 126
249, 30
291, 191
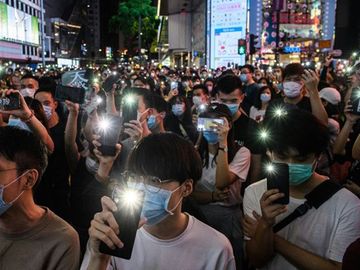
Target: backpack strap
315, 198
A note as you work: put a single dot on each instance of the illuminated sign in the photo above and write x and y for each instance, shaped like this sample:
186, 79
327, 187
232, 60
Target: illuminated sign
288, 49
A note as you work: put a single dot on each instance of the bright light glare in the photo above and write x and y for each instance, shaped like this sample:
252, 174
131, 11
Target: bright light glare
104, 124
129, 199
114, 73
202, 108
98, 100
270, 168
354, 53
129, 99
348, 69
279, 112
264, 134
357, 94
96, 80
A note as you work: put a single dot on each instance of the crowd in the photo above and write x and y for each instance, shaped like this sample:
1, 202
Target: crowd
207, 204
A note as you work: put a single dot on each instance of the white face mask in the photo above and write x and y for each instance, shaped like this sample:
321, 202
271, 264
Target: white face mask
265, 97
292, 89
197, 101
27, 92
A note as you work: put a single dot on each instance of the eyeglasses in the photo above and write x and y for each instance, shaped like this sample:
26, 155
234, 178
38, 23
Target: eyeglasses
151, 183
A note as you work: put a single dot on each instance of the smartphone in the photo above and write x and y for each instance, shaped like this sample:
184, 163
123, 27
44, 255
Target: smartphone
127, 217
10, 102
109, 136
110, 81
129, 110
277, 175
73, 94
355, 100
174, 85
207, 124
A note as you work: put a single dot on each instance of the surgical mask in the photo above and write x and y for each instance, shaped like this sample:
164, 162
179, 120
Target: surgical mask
185, 84
210, 88
91, 165
27, 92
178, 109
151, 122
243, 78
16, 122
300, 173
4, 206
156, 203
48, 111
262, 84
197, 101
211, 137
292, 89
265, 97
233, 107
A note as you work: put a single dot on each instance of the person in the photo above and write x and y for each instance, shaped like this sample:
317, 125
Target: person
29, 233
229, 92
319, 238
169, 239
263, 99
250, 88
29, 85
200, 96
54, 189
297, 83
209, 84
225, 168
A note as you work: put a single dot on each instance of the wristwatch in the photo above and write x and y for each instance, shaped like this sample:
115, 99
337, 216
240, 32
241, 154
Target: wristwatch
224, 149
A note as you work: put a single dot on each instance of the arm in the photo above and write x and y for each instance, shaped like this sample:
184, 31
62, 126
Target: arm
71, 149
255, 168
317, 108
205, 197
356, 149
110, 101
301, 258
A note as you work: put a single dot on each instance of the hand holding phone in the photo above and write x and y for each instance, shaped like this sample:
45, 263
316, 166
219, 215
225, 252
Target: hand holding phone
277, 175
73, 94
9, 101
109, 131
209, 124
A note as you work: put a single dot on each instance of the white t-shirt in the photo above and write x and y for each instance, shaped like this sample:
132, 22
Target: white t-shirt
326, 231
239, 166
199, 247
257, 115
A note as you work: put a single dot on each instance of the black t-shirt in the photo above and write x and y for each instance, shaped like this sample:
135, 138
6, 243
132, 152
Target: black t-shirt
53, 190
303, 104
246, 134
251, 93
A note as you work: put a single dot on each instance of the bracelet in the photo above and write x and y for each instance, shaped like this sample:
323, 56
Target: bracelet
27, 120
224, 149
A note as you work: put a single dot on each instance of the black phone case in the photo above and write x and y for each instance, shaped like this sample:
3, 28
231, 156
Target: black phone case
355, 101
110, 138
10, 102
279, 179
110, 81
129, 112
128, 223
73, 94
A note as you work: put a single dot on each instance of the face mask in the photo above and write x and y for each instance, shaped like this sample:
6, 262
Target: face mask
4, 206
156, 202
234, 107
185, 84
197, 101
257, 77
151, 122
210, 88
292, 89
178, 109
91, 165
243, 78
48, 111
27, 92
300, 173
265, 97
262, 84
211, 137
15, 122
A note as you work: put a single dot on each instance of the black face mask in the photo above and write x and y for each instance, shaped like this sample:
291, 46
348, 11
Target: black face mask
332, 109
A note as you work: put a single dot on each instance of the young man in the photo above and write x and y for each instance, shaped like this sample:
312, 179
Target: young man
29, 233
200, 96
297, 83
169, 239
250, 88
29, 85
318, 239
230, 93
54, 189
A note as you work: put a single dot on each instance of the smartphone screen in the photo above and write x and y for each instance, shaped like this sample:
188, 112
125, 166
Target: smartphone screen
129, 111
355, 100
110, 81
207, 124
10, 102
109, 136
129, 203
277, 175
73, 94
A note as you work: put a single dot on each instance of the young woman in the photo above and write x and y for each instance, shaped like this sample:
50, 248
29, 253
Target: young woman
257, 111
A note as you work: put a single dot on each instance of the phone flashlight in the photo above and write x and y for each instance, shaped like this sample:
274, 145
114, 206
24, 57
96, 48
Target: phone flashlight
264, 135
127, 198
98, 100
270, 168
104, 124
129, 99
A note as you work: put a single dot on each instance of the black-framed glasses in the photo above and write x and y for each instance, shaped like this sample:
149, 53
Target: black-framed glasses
151, 183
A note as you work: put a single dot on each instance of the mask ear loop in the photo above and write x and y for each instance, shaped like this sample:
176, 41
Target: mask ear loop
171, 213
14, 182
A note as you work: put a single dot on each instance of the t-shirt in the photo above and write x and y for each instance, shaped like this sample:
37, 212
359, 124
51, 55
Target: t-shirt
50, 244
198, 247
251, 94
256, 114
239, 166
326, 231
303, 104
246, 133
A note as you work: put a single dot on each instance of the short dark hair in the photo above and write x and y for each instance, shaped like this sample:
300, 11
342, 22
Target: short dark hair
29, 76
297, 129
249, 67
293, 69
167, 156
202, 87
159, 103
23, 148
45, 90
228, 84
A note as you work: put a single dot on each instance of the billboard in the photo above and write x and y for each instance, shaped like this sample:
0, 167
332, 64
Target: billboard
226, 23
17, 26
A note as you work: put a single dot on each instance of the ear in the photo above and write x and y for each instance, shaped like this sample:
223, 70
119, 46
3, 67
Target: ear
56, 104
242, 97
162, 115
31, 178
187, 187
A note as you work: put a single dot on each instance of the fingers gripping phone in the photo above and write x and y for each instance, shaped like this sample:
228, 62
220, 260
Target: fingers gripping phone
73, 94
355, 100
129, 203
109, 129
10, 102
277, 175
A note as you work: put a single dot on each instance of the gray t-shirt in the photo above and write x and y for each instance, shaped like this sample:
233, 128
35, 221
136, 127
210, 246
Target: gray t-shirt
50, 244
